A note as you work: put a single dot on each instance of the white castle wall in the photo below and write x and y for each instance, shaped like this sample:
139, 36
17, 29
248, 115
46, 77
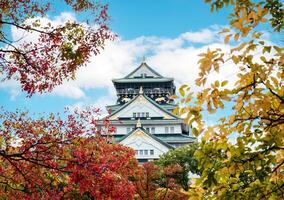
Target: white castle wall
159, 129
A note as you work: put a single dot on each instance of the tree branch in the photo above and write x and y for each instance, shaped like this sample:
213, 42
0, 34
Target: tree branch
27, 28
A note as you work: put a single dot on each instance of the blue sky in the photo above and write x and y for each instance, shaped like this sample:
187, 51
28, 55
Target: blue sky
163, 18
171, 33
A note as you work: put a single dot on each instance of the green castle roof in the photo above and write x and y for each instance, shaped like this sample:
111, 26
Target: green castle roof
143, 73
150, 100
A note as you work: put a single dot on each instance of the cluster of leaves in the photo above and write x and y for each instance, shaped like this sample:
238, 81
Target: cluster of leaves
154, 182
253, 166
52, 158
184, 157
247, 14
57, 51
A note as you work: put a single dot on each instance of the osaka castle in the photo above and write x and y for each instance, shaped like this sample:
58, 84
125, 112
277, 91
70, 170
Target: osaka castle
143, 114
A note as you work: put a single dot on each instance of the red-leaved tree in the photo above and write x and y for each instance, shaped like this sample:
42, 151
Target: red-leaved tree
153, 182
55, 158
56, 51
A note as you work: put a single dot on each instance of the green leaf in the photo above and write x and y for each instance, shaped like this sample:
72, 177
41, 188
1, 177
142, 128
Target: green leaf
181, 90
195, 131
266, 49
224, 83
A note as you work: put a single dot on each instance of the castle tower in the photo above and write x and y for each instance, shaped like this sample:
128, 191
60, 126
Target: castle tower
143, 114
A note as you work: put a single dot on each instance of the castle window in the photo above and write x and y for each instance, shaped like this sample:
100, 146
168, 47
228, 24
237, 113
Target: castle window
143, 75
167, 129
138, 114
143, 114
152, 129
128, 129
145, 152
134, 115
148, 129
147, 114
172, 129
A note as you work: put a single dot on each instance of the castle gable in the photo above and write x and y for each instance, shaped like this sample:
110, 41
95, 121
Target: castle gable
142, 107
145, 144
144, 71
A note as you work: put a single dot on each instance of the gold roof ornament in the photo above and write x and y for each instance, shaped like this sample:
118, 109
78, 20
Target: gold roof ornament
143, 59
138, 124
141, 90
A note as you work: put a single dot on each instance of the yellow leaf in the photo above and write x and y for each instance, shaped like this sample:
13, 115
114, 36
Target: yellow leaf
266, 49
225, 30
263, 20
229, 155
236, 36
261, 42
207, 135
176, 110
217, 84
240, 47
263, 59
227, 38
195, 131
232, 119
173, 97
181, 90
278, 49
224, 83
250, 17
188, 98
275, 81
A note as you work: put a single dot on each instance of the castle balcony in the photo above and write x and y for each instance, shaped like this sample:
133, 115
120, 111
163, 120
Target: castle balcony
146, 91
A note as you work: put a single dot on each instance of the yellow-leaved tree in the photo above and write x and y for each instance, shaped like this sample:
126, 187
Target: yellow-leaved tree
251, 167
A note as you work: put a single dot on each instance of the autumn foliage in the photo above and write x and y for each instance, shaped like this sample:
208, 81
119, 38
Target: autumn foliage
242, 155
153, 182
56, 51
55, 158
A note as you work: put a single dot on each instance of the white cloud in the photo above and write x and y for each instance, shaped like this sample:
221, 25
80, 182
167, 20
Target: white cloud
11, 86
20, 35
173, 57
101, 103
205, 36
63, 17
69, 90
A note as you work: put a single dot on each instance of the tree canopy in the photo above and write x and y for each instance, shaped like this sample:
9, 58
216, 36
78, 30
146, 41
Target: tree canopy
155, 182
53, 158
251, 167
57, 50
184, 157
56, 158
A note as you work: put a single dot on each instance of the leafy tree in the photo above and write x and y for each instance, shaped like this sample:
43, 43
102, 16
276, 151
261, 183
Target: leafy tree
183, 157
153, 182
253, 166
52, 158
57, 51
246, 13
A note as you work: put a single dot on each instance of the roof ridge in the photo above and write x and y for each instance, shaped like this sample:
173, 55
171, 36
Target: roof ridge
141, 65
174, 134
